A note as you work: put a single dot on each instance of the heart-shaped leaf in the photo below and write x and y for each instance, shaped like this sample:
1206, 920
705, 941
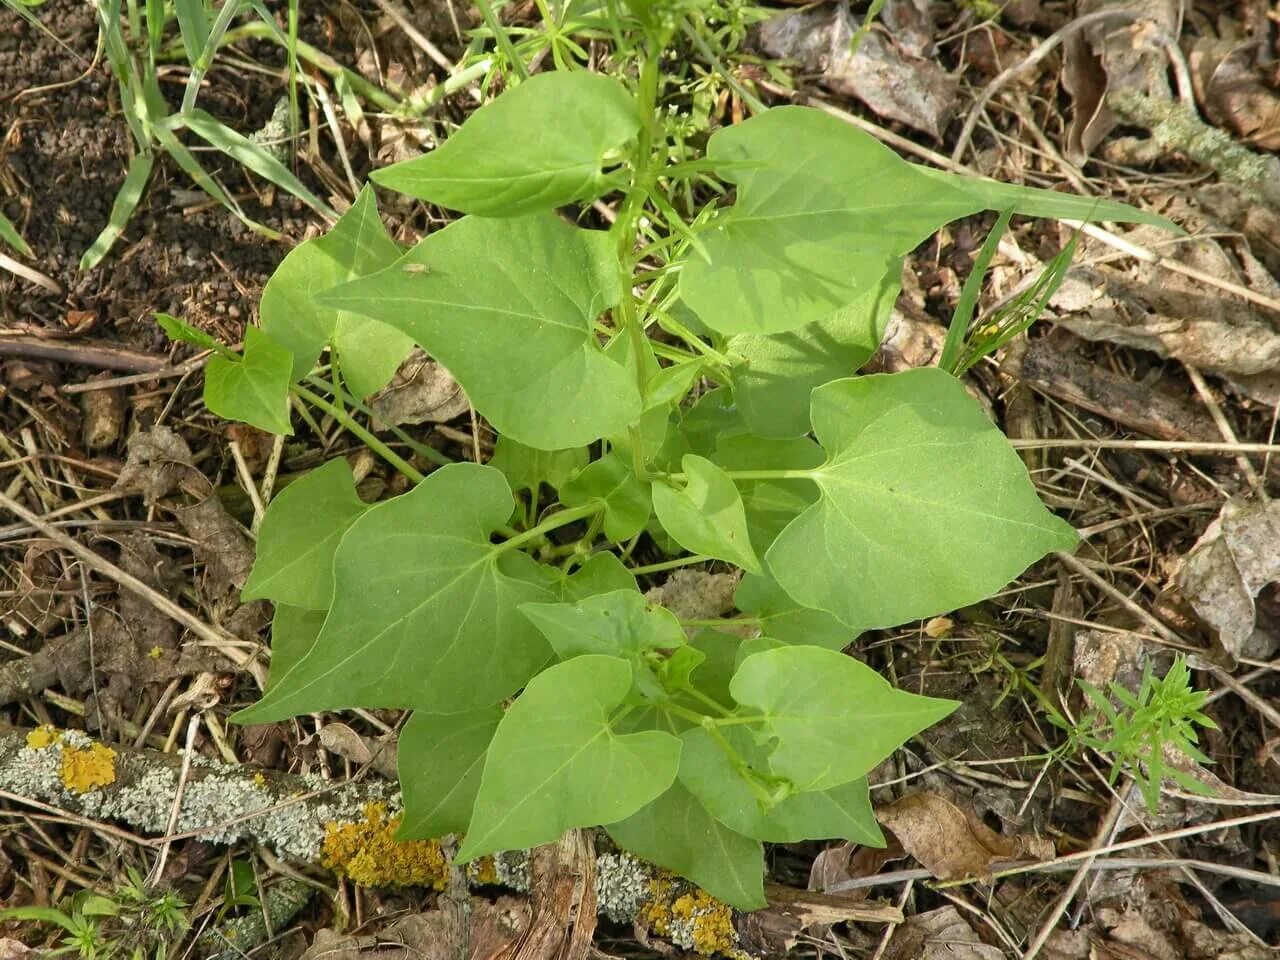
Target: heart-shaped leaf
253, 389
425, 610
618, 624
706, 515
611, 481
824, 211
439, 759
833, 717
557, 763
508, 306
540, 145
923, 501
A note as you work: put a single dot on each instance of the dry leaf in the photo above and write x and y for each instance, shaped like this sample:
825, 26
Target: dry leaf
850, 861
494, 930
696, 594
891, 72
940, 934
1114, 54
157, 463
15, 950
1228, 567
1228, 84
340, 739
952, 843
422, 391
220, 544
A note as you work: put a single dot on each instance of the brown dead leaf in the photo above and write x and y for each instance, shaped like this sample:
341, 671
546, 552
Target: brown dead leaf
940, 934
15, 950
1228, 84
157, 463
221, 545
422, 391
1115, 54
493, 930
851, 861
952, 843
892, 73
696, 594
1222, 575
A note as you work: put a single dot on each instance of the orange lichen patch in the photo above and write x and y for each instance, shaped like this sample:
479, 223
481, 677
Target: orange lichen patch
690, 917
88, 767
45, 735
486, 871
369, 854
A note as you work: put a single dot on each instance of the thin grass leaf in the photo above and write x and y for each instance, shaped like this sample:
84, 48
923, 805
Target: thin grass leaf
122, 208
10, 235
193, 24
253, 156
221, 23
155, 12
963, 315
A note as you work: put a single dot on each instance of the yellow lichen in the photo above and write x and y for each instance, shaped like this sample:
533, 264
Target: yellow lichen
369, 854
486, 871
259, 780
155, 653
690, 916
92, 766
45, 735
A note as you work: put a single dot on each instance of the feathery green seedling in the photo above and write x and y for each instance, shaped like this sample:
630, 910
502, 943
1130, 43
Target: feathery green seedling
677, 389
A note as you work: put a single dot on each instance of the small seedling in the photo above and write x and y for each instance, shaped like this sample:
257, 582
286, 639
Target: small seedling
685, 396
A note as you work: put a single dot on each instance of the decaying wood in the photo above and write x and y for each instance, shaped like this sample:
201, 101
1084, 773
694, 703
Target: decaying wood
104, 356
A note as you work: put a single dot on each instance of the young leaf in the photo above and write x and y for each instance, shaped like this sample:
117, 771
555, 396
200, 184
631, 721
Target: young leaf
300, 535
10, 235
707, 515
508, 307
525, 468
425, 610
602, 573
610, 481
557, 763
834, 718
772, 388
787, 621
538, 146
923, 500
177, 330
824, 211
439, 759
843, 811
618, 624
675, 831
253, 389
368, 352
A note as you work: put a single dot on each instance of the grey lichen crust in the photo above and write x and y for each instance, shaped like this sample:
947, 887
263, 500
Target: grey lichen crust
622, 885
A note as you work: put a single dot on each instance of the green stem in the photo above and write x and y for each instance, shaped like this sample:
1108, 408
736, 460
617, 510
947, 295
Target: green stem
422, 449
351, 424
721, 622
693, 340
669, 564
502, 40
707, 701
554, 522
757, 475
741, 766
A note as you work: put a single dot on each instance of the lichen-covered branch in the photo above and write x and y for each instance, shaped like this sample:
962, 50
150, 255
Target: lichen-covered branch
348, 828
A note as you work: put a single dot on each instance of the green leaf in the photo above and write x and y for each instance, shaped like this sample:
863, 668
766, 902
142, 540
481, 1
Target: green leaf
675, 831
772, 388
923, 501
770, 504
618, 624
368, 351
670, 384
439, 759
834, 718
254, 389
719, 650
179, 330
787, 621
293, 633
602, 573
610, 481
557, 763
824, 211
508, 307
10, 235
540, 145
525, 468
706, 516
299, 536
425, 610
844, 811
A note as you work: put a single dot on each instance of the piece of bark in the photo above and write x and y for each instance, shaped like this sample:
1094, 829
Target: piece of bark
1051, 365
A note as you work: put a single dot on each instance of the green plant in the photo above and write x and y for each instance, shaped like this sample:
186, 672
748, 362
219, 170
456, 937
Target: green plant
132, 922
688, 392
1138, 730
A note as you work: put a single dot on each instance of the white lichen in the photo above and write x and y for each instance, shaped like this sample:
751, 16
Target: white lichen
512, 869
622, 885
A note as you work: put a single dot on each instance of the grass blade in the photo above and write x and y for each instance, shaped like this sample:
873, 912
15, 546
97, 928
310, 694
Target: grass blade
193, 24
253, 156
963, 316
10, 235
122, 208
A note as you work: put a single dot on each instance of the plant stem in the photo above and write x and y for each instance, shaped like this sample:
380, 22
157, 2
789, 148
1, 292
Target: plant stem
669, 564
757, 475
502, 40
422, 449
707, 701
720, 622
554, 522
351, 424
